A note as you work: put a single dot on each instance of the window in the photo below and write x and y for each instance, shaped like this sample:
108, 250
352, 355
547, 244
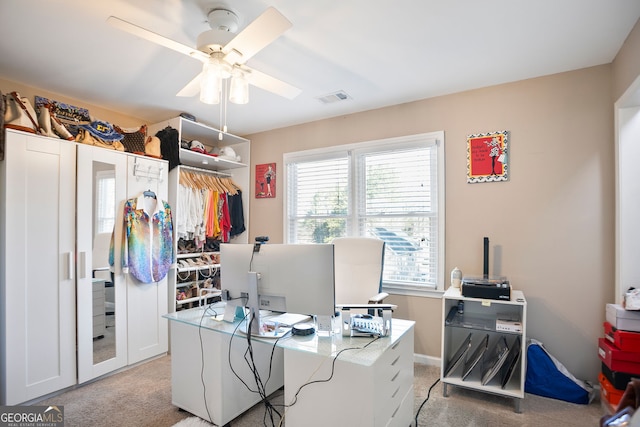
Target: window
105, 201
391, 189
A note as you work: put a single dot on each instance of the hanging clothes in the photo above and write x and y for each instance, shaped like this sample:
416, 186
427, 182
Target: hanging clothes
236, 214
206, 201
147, 247
225, 221
213, 224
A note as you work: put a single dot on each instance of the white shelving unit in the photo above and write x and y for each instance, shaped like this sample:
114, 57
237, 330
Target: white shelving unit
193, 280
478, 318
193, 161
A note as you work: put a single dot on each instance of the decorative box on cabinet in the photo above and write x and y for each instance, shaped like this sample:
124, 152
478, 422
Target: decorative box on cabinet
500, 321
192, 161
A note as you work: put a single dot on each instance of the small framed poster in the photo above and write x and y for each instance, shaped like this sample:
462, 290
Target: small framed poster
266, 181
487, 157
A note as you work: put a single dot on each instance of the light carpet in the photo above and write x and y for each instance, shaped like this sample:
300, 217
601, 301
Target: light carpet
193, 422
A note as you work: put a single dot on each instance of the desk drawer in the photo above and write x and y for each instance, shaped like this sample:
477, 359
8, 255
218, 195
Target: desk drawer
393, 378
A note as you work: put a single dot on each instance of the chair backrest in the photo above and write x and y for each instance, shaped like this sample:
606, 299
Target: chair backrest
358, 264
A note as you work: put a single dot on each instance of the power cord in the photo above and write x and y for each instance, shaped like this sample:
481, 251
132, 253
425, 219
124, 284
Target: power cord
333, 367
425, 400
270, 412
204, 385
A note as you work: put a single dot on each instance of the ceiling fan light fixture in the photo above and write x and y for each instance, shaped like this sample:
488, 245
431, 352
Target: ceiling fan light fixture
210, 83
239, 90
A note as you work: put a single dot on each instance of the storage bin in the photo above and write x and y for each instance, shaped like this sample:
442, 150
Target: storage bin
624, 340
618, 379
608, 391
626, 320
618, 360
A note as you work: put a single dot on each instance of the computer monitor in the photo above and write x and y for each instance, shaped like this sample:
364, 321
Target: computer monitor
292, 278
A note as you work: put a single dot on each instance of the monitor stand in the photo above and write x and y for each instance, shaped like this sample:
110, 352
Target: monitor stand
254, 320
253, 304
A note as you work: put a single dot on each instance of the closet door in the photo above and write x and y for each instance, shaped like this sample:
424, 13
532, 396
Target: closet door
148, 333
101, 288
37, 285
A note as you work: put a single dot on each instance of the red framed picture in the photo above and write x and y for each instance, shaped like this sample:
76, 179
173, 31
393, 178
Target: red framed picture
487, 157
266, 181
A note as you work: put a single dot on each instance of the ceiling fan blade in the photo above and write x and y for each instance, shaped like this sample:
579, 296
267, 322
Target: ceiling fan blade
192, 88
271, 84
155, 38
257, 35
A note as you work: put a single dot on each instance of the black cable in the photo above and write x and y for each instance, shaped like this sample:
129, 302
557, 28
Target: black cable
270, 410
248, 356
229, 353
333, 366
425, 400
204, 385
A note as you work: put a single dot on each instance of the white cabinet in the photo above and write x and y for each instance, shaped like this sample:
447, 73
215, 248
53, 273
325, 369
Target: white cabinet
37, 267
198, 163
53, 303
208, 369
369, 385
101, 190
147, 330
467, 322
337, 380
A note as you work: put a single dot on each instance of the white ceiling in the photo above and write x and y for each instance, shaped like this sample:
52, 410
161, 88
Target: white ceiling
380, 52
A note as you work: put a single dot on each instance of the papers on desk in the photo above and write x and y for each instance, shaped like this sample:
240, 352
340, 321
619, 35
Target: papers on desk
288, 319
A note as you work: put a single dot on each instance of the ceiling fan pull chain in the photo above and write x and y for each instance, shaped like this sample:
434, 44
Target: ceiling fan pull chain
226, 100
221, 108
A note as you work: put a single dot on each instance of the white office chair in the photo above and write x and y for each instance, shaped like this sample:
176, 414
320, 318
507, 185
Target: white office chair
358, 264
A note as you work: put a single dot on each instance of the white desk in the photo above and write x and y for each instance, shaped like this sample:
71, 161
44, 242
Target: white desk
371, 386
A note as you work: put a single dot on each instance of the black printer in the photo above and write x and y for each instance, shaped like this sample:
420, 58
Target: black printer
486, 288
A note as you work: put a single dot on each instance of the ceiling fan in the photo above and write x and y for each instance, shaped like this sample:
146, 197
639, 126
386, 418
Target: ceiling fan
224, 54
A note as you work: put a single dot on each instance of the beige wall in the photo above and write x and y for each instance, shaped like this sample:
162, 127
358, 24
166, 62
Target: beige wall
551, 226
97, 112
626, 65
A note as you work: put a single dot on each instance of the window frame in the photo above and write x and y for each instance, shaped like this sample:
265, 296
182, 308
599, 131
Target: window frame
102, 176
436, 138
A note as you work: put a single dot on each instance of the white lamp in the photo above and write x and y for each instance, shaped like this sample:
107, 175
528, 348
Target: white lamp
210, 83
214, 71
239, 90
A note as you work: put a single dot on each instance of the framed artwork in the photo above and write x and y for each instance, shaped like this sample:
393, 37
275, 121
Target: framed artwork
266, 181
487, 155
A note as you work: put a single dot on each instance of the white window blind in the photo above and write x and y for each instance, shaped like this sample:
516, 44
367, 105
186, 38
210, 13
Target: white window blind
105, 201
318, 199
386, 189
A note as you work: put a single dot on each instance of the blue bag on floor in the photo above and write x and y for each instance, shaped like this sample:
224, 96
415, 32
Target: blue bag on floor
547, 377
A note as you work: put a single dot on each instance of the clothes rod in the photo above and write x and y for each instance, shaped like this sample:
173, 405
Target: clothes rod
205, 171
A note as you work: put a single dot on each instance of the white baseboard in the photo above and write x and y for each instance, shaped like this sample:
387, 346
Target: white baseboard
426, 360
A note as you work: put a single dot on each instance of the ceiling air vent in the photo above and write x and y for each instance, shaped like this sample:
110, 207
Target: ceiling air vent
334, 97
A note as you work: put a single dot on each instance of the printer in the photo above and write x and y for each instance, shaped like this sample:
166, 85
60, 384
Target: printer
486, 288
